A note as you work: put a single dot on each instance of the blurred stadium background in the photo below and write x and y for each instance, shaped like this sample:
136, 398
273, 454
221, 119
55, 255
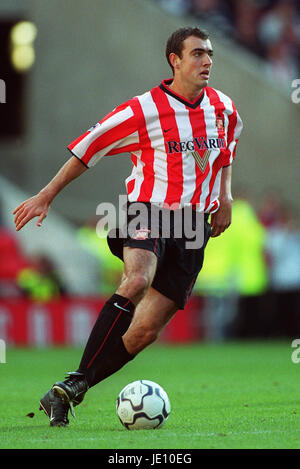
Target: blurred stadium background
64, 65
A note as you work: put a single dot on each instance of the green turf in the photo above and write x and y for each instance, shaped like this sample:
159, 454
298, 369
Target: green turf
241, 395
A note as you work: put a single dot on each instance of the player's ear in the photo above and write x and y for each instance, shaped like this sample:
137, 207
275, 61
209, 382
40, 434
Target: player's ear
175, 60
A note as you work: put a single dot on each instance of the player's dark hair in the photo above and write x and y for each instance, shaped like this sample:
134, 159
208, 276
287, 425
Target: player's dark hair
175, 41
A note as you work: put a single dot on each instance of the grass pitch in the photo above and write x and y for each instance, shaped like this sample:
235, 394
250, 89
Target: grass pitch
230, 395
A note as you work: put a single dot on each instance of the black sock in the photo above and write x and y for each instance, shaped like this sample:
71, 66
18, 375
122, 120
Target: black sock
118, 357
105, 352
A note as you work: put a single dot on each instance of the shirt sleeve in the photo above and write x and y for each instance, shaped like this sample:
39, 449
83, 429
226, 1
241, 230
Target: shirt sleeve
116, 133
235, 126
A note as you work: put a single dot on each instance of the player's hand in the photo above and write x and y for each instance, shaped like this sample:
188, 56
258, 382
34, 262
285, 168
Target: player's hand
221, 219
36, 206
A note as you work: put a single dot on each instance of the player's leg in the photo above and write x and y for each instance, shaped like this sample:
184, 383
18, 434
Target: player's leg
152, 314
105, 352
139, 270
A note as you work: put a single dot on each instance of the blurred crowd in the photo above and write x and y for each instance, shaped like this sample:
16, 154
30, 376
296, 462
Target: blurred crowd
35, 277
268, 28
251, 275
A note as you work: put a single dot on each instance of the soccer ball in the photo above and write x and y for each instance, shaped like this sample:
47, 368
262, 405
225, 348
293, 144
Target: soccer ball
143, 405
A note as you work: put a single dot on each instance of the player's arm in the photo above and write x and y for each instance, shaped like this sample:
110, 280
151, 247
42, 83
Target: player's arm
39, 205
109, 136
221, 219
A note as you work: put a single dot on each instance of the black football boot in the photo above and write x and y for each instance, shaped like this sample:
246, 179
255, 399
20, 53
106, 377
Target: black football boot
61, 398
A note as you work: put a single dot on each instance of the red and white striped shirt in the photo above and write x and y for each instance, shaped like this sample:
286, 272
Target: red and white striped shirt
178, 148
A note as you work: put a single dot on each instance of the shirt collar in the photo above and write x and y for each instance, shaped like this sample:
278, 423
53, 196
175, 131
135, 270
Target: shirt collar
192, 104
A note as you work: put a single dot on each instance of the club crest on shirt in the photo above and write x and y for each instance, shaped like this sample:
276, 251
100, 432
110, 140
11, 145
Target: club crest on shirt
220, 123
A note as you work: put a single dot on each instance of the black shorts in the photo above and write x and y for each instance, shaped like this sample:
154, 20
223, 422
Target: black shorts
177, 267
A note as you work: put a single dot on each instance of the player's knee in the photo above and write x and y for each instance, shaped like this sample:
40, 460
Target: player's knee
139, 336
138, 284
142, 340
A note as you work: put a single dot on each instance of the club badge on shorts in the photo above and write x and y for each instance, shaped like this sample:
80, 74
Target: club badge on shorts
141, 234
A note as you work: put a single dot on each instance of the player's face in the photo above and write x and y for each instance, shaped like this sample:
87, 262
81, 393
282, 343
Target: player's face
194, 66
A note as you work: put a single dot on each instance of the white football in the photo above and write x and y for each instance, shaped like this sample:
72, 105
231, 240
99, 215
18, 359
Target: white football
143, 405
